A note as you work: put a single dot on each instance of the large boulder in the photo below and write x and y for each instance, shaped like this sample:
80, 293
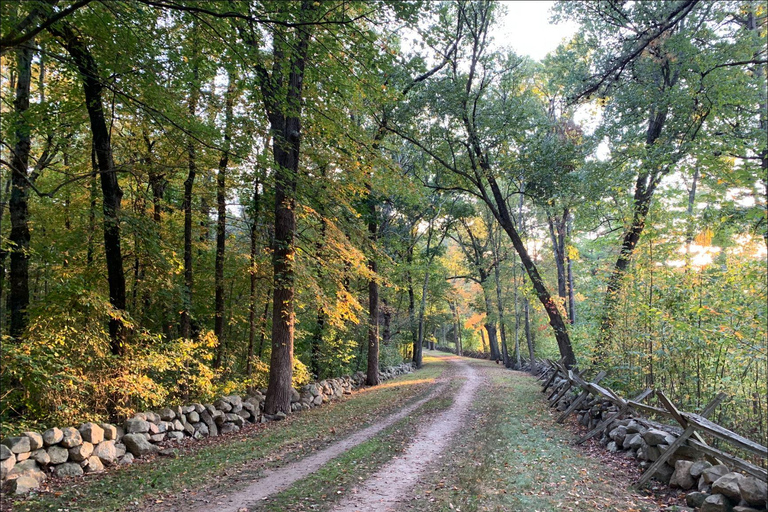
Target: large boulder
91, 433
754, 491
93, 465
136, 426
69, 469
52, 436
695, 499
27, 468
17, 444
110, 432
41, 457
57, 454
716, 503
35, 440
633, 441
6, 465
24, 484
223, 405
713, 473
698, 467
71, 438
682, 476
728, 485
138, 445
106, 452
655, 437
80, 452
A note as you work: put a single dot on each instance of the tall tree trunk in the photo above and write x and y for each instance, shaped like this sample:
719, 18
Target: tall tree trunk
253, 279
110, 188
283, 105
569, 270
416, 357
189, 278
221, 224
500, 309
18, 298
263, 322
529, 333
372, 374
94, 193
4, 193
557, 227
490, 325
496, 251
386, 315
425, 288
316, 340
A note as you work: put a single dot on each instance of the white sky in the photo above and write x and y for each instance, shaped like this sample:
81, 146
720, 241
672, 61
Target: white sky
526, 28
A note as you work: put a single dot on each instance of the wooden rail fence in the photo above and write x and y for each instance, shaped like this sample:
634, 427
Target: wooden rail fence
693, 425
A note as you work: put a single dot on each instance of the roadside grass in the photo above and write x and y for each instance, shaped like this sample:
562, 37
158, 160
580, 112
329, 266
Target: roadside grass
323, 489
229, 463
514, 457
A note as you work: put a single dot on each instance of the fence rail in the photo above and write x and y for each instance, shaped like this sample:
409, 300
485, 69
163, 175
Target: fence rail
693, 425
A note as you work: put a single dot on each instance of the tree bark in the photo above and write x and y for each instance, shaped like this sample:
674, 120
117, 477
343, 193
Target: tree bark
252, 277
110, 188
490, 325
557, 228
372, 374
529, 333
4, 194
221, 224
189, 279
283, 103
18, 298
417, 360
555, 318
645, 186
569, 270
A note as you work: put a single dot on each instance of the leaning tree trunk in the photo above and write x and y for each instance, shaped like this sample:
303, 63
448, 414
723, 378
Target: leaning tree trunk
110, 188
18, 298
645, 186
555, 318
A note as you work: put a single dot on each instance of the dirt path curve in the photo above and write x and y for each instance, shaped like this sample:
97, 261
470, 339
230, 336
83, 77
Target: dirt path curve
277, 480
388, 487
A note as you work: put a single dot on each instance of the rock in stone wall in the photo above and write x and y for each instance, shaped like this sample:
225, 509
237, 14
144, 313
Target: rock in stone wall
710, 488
26, 460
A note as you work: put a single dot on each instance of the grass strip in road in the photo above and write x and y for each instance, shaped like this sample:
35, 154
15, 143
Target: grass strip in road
227, 463
511, 456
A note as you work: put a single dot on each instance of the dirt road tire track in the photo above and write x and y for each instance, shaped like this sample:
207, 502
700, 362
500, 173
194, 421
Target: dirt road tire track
278, 480
389, 487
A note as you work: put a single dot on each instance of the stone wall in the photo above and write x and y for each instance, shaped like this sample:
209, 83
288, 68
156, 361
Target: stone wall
707, 486
26, 461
